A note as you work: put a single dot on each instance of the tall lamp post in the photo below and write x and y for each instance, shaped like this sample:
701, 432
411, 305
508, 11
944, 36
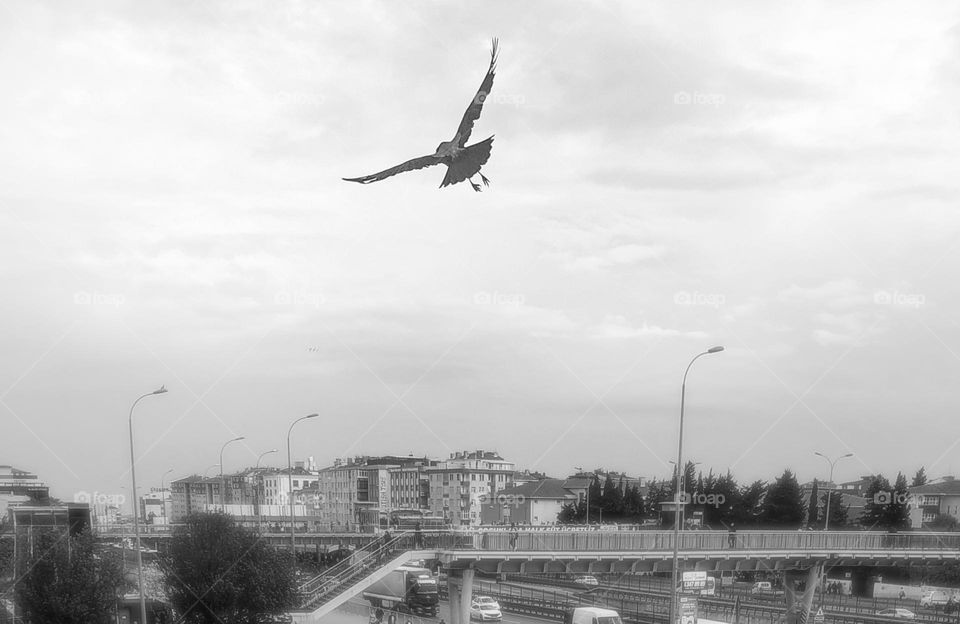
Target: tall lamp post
589, 483
163, 496
223, 488
293, 536
832, 462
676, 488
256, 474
136, 505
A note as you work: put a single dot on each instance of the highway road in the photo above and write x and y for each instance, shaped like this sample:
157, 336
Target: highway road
358, 612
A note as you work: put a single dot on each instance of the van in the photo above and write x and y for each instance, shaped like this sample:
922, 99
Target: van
761, 587
934, 598
591, 615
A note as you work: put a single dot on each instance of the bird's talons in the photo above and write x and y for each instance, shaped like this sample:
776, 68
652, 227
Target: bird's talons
476, 187
486, 180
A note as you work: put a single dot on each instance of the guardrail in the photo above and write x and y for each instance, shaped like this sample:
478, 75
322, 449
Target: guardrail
833, 541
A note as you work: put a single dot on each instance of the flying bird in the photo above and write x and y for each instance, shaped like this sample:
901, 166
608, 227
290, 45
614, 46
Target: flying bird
463, 161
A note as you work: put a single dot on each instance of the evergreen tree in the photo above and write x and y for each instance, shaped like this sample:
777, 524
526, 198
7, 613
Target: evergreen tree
898, 511
838, 511
750, 510
595, 498
879, 495
690, 479
783, 505
920, 478
813, 513
656, 494
728, 512
611, 501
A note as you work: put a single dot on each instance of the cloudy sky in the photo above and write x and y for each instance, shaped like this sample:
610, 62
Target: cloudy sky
780, 179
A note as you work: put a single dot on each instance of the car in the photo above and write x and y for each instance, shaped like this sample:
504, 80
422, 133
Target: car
485, 608
586, 580
487, 600
934, 598
902, 614
761, 587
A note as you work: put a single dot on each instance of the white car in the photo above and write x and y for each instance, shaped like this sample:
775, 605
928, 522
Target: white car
903, 614
586, 580
485, 608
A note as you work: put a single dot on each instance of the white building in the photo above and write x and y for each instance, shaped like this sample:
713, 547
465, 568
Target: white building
461, 484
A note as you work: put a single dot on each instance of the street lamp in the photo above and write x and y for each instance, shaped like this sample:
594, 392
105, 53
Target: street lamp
832, 462
163, 497
223, 489
293, 537
589, 483
676, 489
259, 479
136, 505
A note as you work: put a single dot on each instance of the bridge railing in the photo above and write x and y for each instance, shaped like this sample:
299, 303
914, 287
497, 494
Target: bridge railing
715, 540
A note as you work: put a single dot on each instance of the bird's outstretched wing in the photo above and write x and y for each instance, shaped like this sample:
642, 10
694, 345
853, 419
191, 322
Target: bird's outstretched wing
410, 165
476, 105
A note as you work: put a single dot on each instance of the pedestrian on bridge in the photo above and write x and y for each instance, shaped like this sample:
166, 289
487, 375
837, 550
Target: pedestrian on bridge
732, 536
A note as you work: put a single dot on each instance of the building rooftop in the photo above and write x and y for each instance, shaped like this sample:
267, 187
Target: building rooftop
553, 489
945, 486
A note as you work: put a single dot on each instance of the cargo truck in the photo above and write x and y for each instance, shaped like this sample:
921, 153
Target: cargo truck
409, 589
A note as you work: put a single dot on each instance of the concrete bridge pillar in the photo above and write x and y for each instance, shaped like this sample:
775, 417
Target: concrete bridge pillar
801, 602
460, 591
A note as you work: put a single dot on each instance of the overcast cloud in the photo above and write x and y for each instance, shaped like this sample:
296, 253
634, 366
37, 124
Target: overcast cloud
778, 178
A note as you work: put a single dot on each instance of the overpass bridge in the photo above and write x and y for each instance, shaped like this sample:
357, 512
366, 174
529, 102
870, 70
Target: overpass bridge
462, 553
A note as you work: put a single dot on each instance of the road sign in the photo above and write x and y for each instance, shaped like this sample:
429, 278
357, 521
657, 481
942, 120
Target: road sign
819, 618
694, 580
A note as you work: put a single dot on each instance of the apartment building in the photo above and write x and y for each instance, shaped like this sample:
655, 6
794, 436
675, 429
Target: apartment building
459, 485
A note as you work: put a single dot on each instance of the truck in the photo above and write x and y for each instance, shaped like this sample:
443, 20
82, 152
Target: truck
408, 589
591, 615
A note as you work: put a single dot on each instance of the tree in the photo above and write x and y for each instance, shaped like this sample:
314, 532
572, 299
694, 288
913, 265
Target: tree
838, 511
944, 522
219, 572
656, 494
920, 478
783, 505
898, 511
879, 495
572, 513
813, 509
750, 510
724, 489
611, 501
595, 497
69, 580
